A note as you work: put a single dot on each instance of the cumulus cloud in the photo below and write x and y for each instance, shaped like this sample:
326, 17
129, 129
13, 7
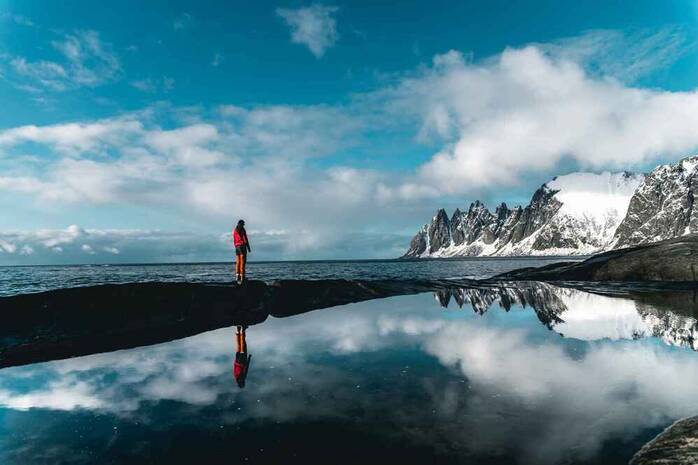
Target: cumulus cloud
244, 162
74, 138
88, 245
304, 169
314, 26
79, 245
87, 62
527, 111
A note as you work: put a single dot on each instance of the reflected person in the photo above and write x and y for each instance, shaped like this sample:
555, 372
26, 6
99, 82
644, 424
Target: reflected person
242, 359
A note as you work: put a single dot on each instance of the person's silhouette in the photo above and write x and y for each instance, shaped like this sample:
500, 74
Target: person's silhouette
241, 364
242, 246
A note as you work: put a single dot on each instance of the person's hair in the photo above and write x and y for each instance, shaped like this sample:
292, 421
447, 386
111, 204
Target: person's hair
241, 225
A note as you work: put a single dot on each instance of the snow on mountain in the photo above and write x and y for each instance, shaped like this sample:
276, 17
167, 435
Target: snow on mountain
662, 206
573, 214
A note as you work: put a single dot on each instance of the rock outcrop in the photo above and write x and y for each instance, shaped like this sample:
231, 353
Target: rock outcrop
669, 260
84, 320
662, 206
677, 445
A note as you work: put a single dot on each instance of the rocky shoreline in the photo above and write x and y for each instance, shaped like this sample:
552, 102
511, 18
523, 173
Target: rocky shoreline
669, 260
85, 320
676, 445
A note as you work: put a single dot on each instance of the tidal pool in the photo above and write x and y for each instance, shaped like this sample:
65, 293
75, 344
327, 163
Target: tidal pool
534, 374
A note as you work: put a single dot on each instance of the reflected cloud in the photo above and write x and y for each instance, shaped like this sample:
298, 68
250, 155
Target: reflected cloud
485, 386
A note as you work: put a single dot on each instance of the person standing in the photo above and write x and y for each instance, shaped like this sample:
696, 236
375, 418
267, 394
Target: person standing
242, 246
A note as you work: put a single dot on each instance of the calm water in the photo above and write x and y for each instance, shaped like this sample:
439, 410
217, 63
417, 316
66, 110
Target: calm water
563, 376
18, 280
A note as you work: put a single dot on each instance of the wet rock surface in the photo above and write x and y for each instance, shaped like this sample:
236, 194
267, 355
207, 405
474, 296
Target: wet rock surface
669, 260
84, 320
677, 445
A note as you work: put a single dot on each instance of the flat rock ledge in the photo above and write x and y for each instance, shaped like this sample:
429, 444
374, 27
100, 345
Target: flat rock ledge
676, 445
77, 321
670, 260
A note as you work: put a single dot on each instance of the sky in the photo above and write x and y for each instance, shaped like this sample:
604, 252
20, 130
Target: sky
133, 134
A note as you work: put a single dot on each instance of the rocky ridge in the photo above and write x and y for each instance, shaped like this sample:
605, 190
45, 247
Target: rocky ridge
575, 214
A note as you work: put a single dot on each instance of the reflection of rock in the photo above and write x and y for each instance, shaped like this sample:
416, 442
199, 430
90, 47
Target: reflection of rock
542, 297
668, 316
670, 260
672, 328
79, 321
677, 445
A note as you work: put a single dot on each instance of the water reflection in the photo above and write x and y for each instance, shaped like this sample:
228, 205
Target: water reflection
241, 365
393, 376
669, 316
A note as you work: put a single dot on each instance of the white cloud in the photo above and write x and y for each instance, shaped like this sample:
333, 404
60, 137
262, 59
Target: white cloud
17, 19
7, 247
491, 123
625, 56
313, 26
74, 138
80, 245
527, 111
182, 22
87, 62
144, 85
151, 85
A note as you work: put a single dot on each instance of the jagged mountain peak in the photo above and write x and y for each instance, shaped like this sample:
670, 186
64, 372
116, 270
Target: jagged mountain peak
662, 207
575, 213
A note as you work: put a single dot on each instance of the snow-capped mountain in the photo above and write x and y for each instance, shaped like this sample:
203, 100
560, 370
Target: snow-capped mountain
573, 214
662, 206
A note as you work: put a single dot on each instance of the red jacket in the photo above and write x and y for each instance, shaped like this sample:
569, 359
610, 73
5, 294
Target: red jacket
239, 369
240, 240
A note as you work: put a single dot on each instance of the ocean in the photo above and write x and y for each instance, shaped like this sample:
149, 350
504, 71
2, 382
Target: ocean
22, 279
523, 373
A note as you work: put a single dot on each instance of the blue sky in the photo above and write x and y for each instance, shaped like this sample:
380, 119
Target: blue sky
335, 129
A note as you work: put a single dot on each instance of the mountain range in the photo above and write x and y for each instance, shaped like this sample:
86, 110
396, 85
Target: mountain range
574, 214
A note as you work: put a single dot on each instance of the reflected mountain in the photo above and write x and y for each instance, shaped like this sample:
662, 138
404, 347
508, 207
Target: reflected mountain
669, 315
407, 382
81, 321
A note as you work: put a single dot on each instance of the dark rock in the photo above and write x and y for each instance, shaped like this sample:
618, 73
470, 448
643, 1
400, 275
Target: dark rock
439, 233
479, 227
84, 320
457, 228
418, 244
677, 445
670, 260
662, 206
